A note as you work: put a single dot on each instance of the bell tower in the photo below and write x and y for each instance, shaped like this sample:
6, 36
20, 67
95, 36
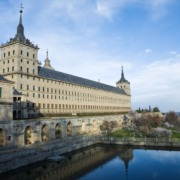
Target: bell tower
124, 84
19, 56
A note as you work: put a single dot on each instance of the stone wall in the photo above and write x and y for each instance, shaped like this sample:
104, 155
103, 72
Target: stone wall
23, 132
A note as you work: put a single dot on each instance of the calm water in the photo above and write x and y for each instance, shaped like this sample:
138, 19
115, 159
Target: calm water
105, 163
139, 164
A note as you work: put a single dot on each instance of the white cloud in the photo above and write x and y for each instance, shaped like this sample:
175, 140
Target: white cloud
146, 51
157, 84
173, 52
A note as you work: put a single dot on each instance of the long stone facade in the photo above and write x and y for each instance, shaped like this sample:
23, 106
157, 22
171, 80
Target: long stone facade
43, 91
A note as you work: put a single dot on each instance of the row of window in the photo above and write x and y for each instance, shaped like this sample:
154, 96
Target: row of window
21, 53
21, 69
67, 93
65, 106
8, 61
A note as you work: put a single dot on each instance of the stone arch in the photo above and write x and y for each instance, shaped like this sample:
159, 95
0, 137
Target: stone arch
28, 135
44, 133
58, 132
2, 137
94, 126
83, 126
69, 129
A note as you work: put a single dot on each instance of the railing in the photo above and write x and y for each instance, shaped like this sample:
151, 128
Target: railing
139, 140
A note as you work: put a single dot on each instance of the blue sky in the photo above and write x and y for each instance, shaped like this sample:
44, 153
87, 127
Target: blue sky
94, 38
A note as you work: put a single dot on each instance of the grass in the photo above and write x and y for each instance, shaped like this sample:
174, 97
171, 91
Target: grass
125, 133
129, 133
175, 135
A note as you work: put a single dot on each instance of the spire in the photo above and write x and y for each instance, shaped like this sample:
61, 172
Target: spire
122, 77
47, 62
20, 28
122, 74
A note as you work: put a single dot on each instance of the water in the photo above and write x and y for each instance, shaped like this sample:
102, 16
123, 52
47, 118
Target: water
105, 163
139, 164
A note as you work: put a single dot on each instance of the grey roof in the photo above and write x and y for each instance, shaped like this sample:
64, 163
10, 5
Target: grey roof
122, 80
4, 79
56, 75
16, 92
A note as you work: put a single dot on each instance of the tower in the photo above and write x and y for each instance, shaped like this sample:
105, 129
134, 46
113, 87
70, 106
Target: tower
19, 56
47, 62
124, 84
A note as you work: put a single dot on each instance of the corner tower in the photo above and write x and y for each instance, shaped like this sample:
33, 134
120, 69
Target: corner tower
19, 56
124, 84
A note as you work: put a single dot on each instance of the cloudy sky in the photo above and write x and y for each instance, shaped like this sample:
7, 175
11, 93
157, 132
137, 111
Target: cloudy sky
94, 38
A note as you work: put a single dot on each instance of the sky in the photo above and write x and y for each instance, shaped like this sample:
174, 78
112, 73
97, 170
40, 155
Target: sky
94, 38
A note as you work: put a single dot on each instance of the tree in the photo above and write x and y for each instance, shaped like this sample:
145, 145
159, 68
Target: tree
156, 109
147, 122
172, 118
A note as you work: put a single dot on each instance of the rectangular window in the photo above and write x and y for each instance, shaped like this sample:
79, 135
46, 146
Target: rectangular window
0, 92
27, 54
8, 53
4, 54
27, 62
21, 52
33, 56
33, 88
21, 69
20, 86
27, 70
21, 60
13, 52
3, 70
27, 87
13, 68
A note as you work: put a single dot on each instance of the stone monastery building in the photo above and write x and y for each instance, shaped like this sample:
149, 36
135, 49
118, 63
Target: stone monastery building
43, 91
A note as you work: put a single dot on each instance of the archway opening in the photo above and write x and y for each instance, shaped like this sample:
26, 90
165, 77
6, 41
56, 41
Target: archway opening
2, 137
83, 126
28, 135
58, 131
94, 125
44, 133
69, 129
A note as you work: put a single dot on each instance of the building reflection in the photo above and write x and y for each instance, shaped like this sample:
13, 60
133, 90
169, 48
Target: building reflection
73, 166
126, 155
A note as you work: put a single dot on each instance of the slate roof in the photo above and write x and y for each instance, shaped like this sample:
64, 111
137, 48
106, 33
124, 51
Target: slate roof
4, 79
56, 75
16, 92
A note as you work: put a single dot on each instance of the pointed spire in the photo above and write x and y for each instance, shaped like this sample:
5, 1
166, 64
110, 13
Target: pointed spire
21, 11
47, 62
122, 77
20, 28
122, 74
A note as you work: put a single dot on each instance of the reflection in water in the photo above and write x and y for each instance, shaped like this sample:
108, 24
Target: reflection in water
103, 163
126, 155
